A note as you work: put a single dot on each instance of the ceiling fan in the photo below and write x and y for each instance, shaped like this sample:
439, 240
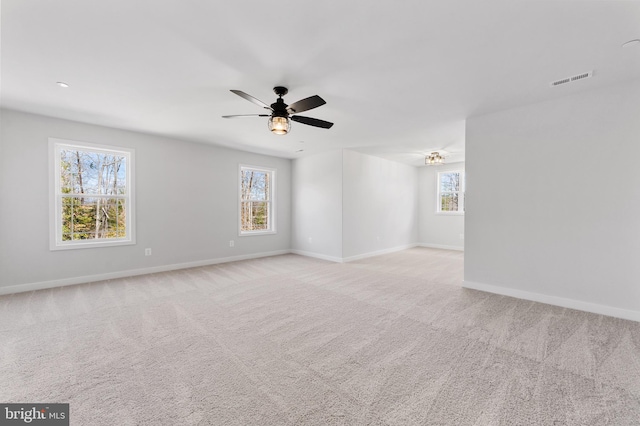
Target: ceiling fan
282, 114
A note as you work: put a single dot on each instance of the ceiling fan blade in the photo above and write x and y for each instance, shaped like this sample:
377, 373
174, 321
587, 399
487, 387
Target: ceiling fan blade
246, 115
251, 99
305, 104
312, 121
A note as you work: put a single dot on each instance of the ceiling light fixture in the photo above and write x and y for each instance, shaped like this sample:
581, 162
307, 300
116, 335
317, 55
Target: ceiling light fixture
279, 125
434, 159
62, 84
631, 43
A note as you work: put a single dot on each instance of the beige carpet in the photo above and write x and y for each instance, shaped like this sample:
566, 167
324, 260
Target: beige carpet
288, 340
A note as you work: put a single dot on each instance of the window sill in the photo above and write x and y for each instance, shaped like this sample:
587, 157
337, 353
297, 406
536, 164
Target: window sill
89, 245
450, 213
252, 233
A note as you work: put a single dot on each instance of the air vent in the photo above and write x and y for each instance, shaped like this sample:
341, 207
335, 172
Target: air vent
572, 79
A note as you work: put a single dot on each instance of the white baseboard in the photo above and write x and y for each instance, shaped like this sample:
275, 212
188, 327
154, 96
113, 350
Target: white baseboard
440, 246
42, 285
317, 255
377, 253
555, 300
352, 258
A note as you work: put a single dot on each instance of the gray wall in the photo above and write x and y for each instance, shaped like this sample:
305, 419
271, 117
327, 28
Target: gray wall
317, 205
380, 205
437, 229
186, 199
553, 201
352, 205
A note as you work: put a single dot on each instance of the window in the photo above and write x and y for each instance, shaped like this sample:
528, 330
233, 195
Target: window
92, 198
257, 195
451, 192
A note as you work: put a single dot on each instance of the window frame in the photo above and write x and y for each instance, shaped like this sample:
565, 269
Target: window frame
460, 192
55, 199
271, 217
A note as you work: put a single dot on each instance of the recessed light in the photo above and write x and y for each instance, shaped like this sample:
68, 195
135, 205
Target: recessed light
62, 84
631, 43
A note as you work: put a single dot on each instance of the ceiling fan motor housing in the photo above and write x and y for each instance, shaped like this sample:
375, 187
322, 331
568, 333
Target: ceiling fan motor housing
279, 108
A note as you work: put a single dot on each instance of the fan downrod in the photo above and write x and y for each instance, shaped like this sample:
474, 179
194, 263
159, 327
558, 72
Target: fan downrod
280, 90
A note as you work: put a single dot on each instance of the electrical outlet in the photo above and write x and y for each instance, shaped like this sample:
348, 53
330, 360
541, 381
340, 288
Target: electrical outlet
147, 252
310, 240
232, 243
462, 236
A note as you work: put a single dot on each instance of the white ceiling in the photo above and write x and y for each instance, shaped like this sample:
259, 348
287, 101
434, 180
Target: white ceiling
399, 77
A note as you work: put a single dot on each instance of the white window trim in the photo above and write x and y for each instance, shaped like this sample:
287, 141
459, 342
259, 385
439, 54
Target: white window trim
461, 191
55, 201
272, 201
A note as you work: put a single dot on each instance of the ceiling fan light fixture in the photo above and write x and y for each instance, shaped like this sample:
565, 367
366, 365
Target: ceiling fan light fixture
279, 125
282, 114
434, 159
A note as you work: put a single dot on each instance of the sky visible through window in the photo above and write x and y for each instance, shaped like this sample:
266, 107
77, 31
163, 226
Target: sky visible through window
86, 172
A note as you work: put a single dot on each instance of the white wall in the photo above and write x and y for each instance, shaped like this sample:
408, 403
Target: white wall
437, 229
553, 201
186, 200
317, 205
380, 205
